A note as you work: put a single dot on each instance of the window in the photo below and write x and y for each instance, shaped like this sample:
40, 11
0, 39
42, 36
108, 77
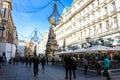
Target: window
80, 14
107, 25
100, 27
92, 5
81, 35
115, 22
84, 22
94, 30
99, 12
97, 29
83, 11
85, 33
93, 15
87, 8
88, 19
98, 2
74, 26
80, 21
4, 15
106, 11
113, 5
89, 33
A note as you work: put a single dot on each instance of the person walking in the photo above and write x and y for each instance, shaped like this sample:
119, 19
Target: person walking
68, 66
74, 66
30, 61
107, 67
43, 63
53, 61
0, 61
26, 62
85, 65
98, 67
35, 65
4, 59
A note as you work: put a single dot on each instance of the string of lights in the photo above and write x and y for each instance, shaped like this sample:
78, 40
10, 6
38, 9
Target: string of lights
32, 7
34, 36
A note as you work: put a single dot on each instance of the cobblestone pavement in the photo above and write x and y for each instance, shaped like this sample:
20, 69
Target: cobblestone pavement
51, 72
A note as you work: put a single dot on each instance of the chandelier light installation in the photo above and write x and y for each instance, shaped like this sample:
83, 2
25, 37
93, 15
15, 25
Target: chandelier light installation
55, 16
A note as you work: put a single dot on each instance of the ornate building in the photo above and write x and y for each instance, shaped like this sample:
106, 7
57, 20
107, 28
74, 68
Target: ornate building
29, 48
8, 33
1, 6
25, 48
89, 21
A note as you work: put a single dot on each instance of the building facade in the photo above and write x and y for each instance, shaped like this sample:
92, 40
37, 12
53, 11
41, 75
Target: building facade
29, 48
41, 47
8, 33
25, 48
20, 48
89, 20
1, 6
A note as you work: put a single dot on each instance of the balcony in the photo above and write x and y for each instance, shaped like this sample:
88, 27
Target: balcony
8, 0
4, 20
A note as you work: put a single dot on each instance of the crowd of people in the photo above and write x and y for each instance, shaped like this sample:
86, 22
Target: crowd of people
70, 64
28, 61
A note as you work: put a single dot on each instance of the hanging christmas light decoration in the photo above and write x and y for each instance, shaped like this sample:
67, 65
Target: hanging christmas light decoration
55, 16
35, 38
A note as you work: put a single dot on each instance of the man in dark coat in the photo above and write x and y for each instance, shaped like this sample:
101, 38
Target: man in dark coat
35, 65
43, 63
74, 66
30, 61
0, 61
68, 66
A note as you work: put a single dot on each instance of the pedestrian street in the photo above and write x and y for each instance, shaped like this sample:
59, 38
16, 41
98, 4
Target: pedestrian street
51, 72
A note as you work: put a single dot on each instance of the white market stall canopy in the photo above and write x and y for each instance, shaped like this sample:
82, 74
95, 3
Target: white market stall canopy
97, 48
117, 48
65, 52
80, 50
72, 51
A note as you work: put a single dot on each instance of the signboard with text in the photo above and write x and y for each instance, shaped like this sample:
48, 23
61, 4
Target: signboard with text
2, 28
